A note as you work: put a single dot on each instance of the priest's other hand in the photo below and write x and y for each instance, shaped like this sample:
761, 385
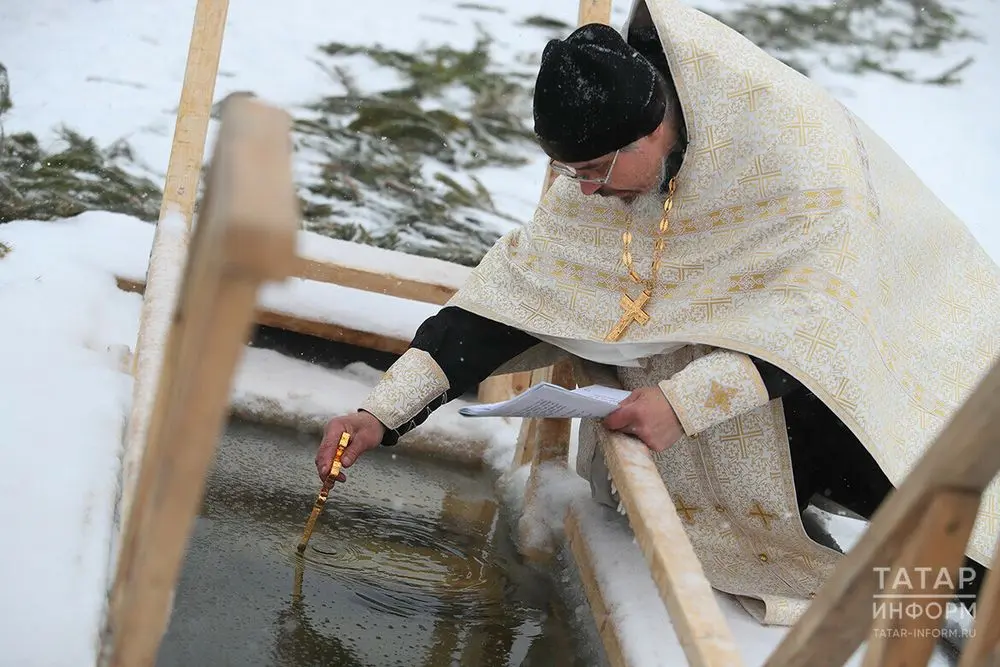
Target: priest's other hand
366, 433
646, 413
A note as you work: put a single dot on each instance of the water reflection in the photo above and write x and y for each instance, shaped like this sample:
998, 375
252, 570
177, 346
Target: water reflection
409, 564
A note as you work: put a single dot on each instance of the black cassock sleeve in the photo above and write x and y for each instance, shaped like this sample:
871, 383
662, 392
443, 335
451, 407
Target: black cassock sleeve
468, 348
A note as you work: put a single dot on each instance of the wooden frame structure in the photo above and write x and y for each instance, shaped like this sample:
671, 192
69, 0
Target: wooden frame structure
246, 237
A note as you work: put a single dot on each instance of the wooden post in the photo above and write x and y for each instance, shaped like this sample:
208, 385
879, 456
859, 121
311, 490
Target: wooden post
983, 648
547, 440
245, 236
170, 240
937, 545
594, 11
964, 458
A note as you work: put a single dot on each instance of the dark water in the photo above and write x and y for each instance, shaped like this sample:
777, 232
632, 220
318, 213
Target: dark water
410, 564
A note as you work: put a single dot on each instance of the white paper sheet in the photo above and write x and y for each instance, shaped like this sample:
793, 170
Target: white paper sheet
551, 400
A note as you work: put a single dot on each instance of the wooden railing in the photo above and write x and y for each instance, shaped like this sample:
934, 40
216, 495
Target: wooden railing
154, 535
195, 321
244, 238
923, 526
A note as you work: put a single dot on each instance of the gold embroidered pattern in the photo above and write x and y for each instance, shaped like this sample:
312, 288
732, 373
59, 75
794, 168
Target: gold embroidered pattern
751, 491
823, 226
720, 396
687, 511
713, 389
759, 513
413, 381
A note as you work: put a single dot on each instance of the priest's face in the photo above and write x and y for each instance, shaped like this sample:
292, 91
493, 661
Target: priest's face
636, 170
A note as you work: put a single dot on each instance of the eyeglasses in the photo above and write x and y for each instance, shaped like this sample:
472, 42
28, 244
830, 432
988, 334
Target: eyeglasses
570, 172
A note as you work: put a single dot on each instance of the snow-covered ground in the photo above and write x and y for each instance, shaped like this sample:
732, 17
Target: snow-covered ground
113, 69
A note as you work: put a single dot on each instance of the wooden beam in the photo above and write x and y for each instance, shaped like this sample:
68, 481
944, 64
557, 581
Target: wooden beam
547, 441
594, 11
386, 281
585, 559
304, 325
244, 237
701, 628
170, 240
965, 457
331, 331
982, 649
194, 110
936, 546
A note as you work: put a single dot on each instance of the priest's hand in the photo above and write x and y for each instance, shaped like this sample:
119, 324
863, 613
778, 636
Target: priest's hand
646, 413
366, 433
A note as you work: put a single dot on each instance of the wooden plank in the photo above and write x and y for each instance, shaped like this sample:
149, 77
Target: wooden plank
187, 152
245, 236
527, 440
937, 546
982, 649
554, 434
170, 239
549, 444
966, 457
305, 325
606, 626
701, 628
385, 281
402, 276
497, 388
330, 331
594, 11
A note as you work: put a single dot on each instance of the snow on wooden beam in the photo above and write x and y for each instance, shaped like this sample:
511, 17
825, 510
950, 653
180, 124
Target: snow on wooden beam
701, 628
589, 566
244, 238
378, 270
366, 319
170, 241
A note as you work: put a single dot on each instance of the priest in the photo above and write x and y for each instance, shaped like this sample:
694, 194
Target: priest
795, 313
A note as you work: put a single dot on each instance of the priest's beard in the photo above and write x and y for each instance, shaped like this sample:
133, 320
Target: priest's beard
649, 205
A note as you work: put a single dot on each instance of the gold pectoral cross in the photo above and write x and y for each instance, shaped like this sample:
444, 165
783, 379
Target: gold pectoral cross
633, 313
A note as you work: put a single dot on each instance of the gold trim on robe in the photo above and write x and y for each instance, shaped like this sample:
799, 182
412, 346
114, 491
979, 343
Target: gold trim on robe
733, 489
797, 236
412, 382
713, 388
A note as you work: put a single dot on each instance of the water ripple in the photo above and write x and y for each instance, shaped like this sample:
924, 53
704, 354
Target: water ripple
403, 564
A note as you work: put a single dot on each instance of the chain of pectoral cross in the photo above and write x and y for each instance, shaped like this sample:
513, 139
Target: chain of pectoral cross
634, 307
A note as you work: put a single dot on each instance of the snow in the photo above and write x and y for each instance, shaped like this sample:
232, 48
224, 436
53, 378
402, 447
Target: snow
356, 309
404, 267
276, 389
113, 69
58, 281
170, 244
62, 409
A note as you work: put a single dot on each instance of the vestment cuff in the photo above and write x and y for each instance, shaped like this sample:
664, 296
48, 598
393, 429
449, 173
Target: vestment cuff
711, 389
413, 381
